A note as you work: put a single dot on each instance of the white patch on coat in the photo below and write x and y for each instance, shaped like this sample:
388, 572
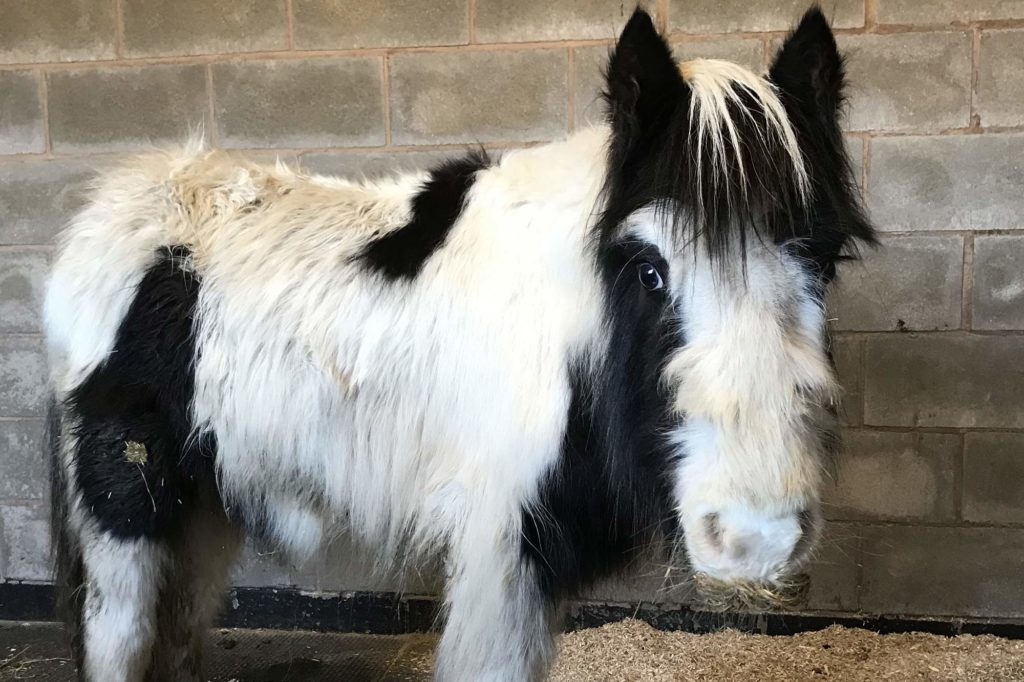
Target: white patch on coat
104, 254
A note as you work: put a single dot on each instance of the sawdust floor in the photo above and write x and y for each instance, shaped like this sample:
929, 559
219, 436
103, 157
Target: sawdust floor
634, 651
630, 650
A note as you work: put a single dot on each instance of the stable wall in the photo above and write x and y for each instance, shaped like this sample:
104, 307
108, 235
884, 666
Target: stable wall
927, 516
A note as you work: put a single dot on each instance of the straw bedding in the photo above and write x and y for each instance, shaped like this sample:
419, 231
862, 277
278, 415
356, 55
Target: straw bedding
634, 651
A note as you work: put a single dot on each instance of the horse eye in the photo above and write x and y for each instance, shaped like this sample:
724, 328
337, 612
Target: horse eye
649, 277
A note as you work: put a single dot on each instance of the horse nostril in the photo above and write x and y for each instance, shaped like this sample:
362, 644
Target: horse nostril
713, 530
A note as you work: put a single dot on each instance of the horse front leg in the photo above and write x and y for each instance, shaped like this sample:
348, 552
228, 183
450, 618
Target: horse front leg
500, 626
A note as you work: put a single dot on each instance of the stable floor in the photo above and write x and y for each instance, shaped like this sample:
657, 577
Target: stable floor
37, 651
630, 650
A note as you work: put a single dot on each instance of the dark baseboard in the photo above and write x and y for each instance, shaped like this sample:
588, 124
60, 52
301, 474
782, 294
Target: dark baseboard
383, 613
590, 615
377, 613
27, 601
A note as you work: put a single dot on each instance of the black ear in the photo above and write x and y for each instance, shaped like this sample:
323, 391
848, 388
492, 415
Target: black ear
810, 69
642, 80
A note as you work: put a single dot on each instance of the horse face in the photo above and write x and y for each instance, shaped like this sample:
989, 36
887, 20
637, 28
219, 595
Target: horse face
735, 362
751, 393
729, 202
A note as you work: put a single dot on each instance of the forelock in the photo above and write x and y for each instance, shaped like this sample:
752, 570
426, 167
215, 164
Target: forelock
725, 97
747, 175
724, 165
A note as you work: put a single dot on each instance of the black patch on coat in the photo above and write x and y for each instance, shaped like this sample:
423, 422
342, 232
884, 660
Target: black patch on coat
143, 394
653, 151
401, 254
606, 500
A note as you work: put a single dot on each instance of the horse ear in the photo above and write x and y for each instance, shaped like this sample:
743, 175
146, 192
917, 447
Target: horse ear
810, 69
642, 77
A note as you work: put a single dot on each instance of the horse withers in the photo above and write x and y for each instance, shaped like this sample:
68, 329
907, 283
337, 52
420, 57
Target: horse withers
535, 366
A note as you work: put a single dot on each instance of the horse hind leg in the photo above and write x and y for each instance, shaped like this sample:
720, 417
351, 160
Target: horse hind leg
122, 579
107, 582
133, 502
198, 569
147, 602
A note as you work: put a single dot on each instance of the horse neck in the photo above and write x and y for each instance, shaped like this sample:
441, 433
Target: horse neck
559, 178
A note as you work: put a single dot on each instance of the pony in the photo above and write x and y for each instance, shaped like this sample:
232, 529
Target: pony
533, 366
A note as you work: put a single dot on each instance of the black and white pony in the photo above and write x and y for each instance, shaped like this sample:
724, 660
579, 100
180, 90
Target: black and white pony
536, 366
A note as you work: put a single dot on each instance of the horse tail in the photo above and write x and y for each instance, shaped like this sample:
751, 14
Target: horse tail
69, 569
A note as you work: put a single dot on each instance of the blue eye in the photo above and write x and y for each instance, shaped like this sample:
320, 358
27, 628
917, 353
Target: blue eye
649, 277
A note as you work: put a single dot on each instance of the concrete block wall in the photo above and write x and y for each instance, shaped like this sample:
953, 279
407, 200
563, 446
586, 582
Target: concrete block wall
927, 514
